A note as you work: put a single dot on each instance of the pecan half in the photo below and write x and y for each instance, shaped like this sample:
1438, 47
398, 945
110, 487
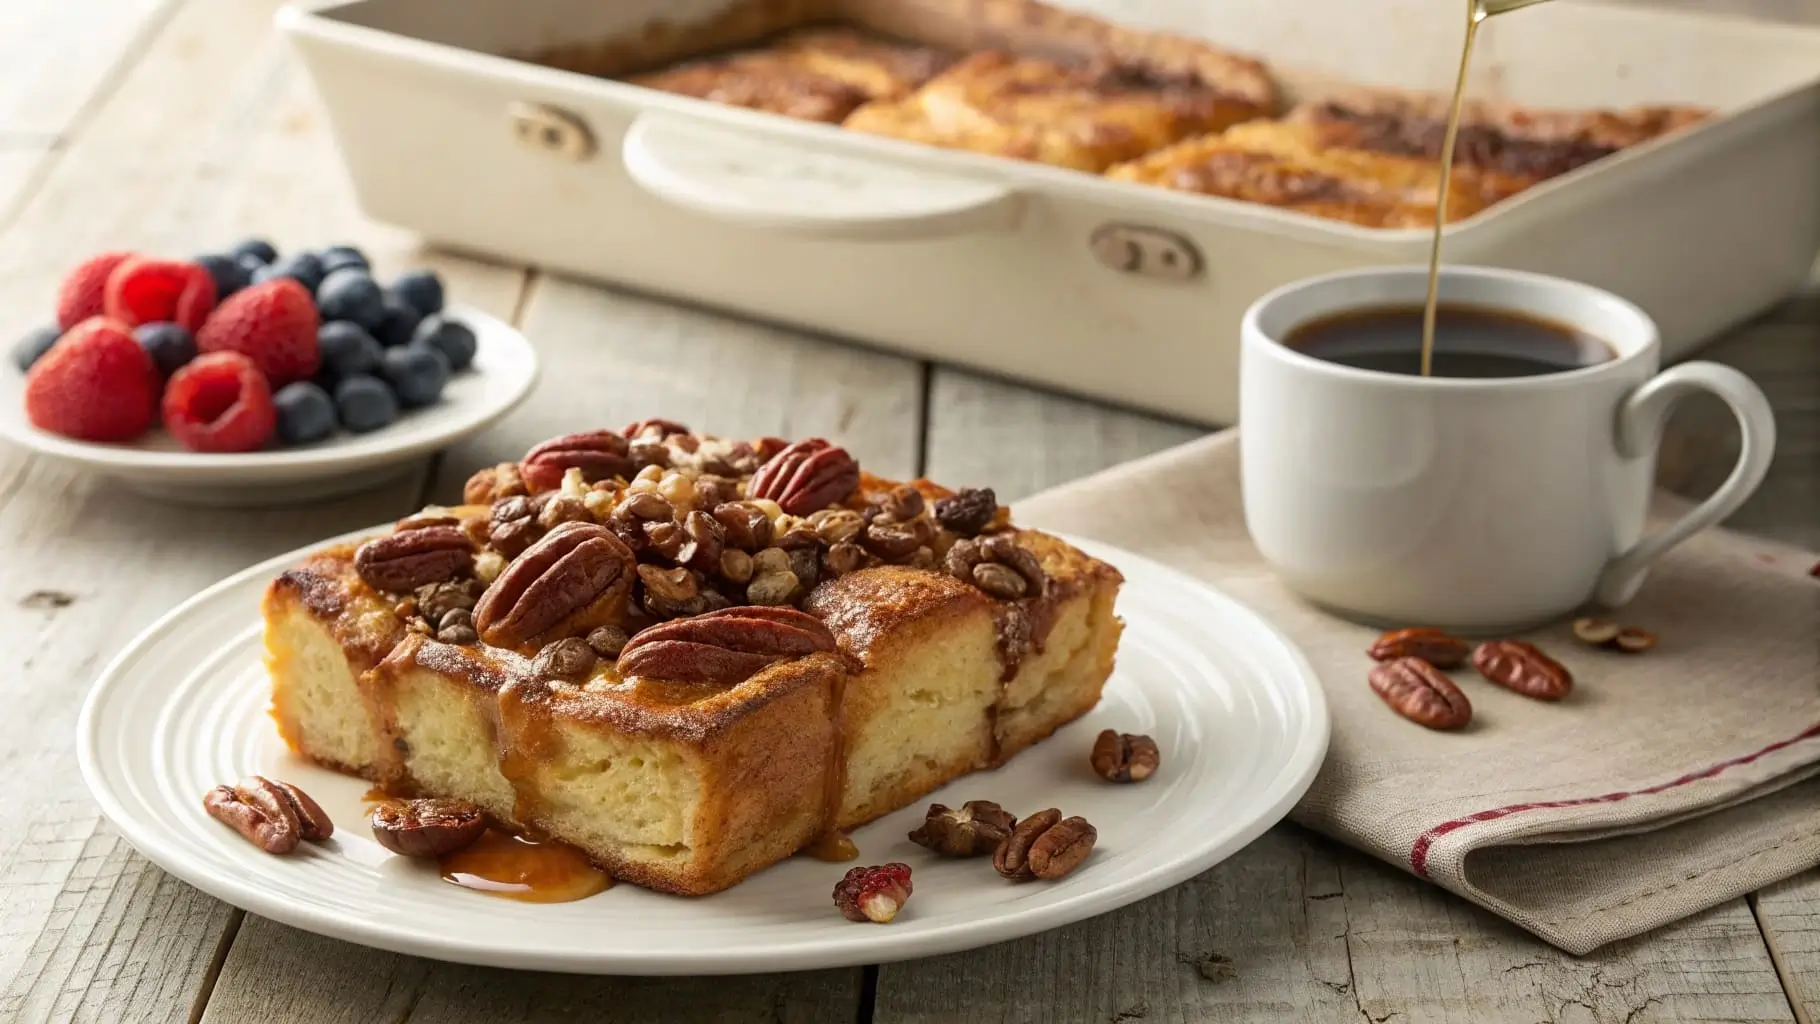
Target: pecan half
975, 829
599, 454
805, 477
1123, 757
402, 562
1419, 692
273, 816
574, 579
723, 648
1044, 845
426, 828
1519, 666
1431, 645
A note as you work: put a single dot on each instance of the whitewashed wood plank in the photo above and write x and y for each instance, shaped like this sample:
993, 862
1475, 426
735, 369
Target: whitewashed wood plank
990, 433
346, 985
59, 54
1261, 937
1789, 913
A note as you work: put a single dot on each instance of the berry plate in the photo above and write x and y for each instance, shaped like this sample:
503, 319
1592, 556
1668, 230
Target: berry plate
1235, 709
504, 370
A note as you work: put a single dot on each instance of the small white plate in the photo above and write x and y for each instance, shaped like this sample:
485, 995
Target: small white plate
504, 370
1234, 707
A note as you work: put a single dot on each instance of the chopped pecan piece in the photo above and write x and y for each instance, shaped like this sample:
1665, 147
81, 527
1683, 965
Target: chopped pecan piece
805, 477
489, 485
998, 566
659, 429
723, 648
599, 454
574, 579
969, 512
401, 562
975, 829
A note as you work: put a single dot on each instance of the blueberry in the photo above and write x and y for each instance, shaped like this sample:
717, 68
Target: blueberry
303, 267
230, 276
417, 374
305, 413
36, 343
454, 339
250, 264
340, 257
365, 403
349, 294
170, 345
398, 324
347, 349
421, 288
258, 248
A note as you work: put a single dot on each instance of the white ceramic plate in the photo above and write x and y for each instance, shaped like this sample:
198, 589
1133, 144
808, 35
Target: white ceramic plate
1235, 708
505, 368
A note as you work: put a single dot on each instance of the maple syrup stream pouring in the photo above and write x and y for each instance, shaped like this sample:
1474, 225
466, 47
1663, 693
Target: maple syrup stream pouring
1476, 11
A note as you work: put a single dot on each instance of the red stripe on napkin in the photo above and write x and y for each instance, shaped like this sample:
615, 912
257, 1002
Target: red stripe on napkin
1418, 853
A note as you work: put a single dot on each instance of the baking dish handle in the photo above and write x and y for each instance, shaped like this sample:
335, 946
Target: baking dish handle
766, 184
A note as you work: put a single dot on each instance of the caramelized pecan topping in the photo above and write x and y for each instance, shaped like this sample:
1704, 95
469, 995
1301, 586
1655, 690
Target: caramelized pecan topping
725, 647
574, 579
402, 562
599, 454
805, 477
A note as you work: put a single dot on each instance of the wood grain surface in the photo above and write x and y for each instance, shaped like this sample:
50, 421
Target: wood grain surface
181, 125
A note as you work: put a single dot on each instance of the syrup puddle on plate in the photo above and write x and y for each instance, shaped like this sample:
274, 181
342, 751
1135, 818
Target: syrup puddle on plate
834, 847
515, 868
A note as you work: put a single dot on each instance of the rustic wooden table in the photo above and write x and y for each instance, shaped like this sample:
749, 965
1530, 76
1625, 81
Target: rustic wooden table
174, 125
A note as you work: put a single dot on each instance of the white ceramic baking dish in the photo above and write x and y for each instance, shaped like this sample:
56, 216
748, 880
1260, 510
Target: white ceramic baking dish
1118, 291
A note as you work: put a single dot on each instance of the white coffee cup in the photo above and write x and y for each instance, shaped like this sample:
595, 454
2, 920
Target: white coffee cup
1480, 505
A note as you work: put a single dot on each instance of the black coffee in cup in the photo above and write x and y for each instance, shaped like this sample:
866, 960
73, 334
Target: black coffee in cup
1470, 341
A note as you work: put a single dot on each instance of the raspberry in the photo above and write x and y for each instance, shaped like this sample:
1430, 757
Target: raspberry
273, 323
95, 384
220, 403
144, 291
874, 893
84, 291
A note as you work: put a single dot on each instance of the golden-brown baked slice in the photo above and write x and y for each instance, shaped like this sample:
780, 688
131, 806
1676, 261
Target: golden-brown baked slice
1373, 159
907, 636
1087, 117
1509, 146
1280, 164
816, 74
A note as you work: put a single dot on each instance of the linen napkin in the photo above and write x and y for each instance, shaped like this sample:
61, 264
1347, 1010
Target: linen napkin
1668, 782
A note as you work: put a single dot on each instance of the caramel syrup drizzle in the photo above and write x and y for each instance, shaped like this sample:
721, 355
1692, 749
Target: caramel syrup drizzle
1476, 13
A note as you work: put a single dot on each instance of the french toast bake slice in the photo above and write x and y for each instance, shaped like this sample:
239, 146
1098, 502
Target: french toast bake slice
1084, 116
816, 74
631, 646
1372, 159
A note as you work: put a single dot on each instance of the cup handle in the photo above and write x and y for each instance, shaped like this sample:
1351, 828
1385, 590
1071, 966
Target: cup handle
1640, 422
